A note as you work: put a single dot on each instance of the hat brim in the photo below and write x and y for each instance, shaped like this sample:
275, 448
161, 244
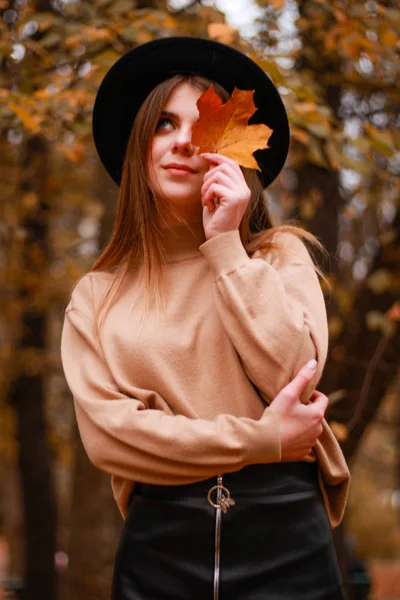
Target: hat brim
130, 80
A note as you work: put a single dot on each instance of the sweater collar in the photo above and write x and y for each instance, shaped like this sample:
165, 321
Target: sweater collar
182, 242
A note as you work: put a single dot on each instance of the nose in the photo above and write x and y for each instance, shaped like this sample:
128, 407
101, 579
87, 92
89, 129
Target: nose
183, 143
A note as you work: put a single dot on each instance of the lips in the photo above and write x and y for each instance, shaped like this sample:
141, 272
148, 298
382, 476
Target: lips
179, 167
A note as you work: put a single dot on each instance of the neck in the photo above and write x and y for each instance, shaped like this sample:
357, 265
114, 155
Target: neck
182, 241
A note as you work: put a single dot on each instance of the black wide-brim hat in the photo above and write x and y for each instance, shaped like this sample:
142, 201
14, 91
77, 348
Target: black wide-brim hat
129, 81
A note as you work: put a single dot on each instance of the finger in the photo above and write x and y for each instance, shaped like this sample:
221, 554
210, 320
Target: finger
214, 157
219, 178
207, 199
320, 405
228, 169
315, 395
298, 453
214, 191
302, 379
210, 205
218, 159
215, 178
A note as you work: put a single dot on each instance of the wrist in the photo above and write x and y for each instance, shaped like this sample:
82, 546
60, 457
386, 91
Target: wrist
215, 233
225, 252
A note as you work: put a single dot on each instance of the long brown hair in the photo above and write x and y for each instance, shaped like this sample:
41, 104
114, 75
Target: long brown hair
135, 241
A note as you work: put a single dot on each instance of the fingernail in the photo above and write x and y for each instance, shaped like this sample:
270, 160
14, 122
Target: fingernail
312, 364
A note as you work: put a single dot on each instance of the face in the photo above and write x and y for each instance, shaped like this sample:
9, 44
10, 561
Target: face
175, 169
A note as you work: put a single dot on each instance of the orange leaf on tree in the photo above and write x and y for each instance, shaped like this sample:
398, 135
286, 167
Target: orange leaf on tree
277, 4
224, 128
394, 312
30, 122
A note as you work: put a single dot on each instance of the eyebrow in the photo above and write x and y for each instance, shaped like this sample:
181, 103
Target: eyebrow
167, 113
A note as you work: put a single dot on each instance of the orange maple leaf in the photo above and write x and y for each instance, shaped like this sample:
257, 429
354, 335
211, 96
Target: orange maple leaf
224, 128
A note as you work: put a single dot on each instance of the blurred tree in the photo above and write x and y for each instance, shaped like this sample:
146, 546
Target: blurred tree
95, 521
338, 67
27, 388
94, 524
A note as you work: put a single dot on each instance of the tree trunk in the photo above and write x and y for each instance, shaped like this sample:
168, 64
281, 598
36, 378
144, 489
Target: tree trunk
365, 362
27, 391
94, 531
95, 522
324, 223
324, 226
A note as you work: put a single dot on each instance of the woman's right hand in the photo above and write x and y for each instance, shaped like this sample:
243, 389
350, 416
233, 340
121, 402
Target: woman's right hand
300, 424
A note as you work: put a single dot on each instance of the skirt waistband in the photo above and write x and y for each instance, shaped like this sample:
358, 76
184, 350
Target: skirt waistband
260, 479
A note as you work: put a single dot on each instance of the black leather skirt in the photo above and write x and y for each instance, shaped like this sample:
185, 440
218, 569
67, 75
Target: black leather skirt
191, 542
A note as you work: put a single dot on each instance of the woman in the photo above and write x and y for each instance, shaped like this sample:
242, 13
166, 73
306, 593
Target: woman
177, 344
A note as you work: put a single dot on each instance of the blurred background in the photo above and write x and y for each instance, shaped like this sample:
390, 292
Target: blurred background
336, 64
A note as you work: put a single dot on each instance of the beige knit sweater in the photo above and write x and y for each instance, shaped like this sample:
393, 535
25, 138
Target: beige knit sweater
180, 399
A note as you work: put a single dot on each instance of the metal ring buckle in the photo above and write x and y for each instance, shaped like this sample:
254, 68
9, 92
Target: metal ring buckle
225, 500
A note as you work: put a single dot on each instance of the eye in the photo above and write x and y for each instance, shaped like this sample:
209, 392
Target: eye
164, 123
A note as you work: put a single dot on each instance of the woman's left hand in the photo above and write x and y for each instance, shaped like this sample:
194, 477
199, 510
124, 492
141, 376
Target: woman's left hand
224, 195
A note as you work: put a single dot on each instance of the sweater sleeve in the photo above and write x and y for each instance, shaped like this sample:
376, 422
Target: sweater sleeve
125, 438
271, 307
274, 313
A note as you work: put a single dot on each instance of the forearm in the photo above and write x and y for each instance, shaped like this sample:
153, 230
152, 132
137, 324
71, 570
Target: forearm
124, 437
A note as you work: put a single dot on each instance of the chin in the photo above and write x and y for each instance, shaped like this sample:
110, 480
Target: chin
185, 198
181, 195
